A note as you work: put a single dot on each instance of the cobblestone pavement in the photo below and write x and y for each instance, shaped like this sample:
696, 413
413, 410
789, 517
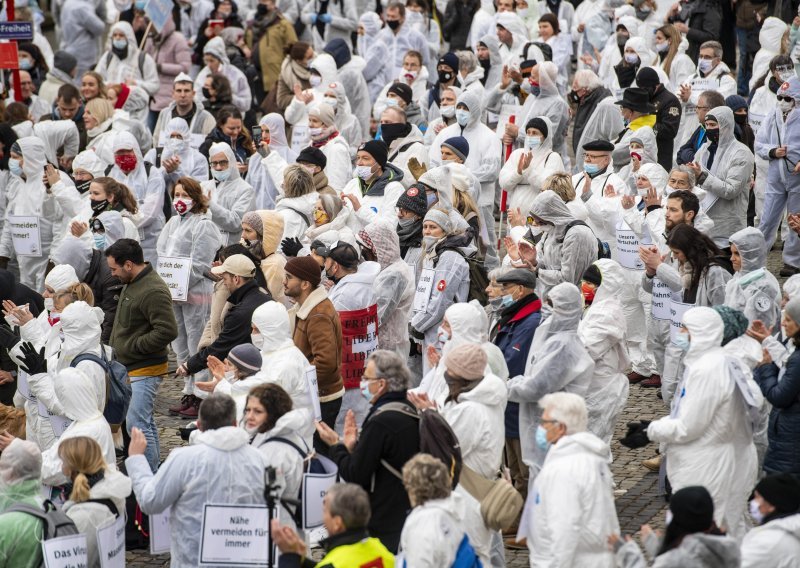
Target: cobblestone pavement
636, 495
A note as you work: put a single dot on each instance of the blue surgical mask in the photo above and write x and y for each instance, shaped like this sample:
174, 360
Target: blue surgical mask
533, 142
431, 198
364, 386
140, 4
442, 335
683, 342
120, 43
591, 169
462, 117
14, 167
507, 300
25, 64
221, 175
541, 438
99, 241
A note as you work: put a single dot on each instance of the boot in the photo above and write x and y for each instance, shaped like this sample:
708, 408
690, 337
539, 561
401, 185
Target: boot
193, 409
182, 405
634, 377
653, 382
653, 464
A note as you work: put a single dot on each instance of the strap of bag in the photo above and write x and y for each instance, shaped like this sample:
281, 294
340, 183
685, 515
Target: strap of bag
405, 410
108, 503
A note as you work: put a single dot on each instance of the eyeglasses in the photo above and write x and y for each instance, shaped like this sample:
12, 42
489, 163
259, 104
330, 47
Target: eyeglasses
784, 98
543, 421
221, 163
702, 107
366, 378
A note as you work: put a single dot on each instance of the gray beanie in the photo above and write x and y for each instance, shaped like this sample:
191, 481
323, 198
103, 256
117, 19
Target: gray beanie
440, 218
246, 357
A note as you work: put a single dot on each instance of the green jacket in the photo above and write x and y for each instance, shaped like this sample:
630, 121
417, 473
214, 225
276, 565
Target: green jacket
20, 533
145, 323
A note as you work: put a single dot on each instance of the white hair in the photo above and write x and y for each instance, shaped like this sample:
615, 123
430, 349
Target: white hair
587, 79
567, 408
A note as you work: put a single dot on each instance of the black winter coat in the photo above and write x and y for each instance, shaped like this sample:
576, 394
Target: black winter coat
783, 454
704, 18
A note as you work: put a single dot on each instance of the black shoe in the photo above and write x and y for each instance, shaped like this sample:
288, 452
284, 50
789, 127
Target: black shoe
789, 270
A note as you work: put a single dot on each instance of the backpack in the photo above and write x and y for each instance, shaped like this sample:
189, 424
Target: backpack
478, 277
118, 387
142, 55
311, 464
55, 522
603, 250
436, 438
466, 556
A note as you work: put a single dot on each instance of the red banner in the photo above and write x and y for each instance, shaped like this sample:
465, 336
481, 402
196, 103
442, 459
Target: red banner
359, 340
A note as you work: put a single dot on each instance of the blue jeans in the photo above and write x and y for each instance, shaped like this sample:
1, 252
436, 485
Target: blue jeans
140, 415
745, 66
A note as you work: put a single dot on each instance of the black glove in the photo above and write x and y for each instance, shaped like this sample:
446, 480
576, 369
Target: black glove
291, 247
637, 435
33, 362
8, 338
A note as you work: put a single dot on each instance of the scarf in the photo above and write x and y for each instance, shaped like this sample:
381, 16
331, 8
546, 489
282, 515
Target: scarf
410, 236
625, 74
322, 141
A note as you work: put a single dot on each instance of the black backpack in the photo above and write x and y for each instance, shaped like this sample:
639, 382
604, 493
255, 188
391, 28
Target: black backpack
478, 277
603, 250
436, 438
55, 522
118, 387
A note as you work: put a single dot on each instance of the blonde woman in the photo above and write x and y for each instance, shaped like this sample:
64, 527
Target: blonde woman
96, 494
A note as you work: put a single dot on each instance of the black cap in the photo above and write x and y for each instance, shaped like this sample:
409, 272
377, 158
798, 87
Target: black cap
519, 276
401, 90
538, 124
312, 155
636, 99
782, 491
647, 78
377, 149
592, 275
345, 254
599, 146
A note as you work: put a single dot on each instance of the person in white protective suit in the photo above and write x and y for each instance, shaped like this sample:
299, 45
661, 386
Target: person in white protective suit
641, 148
326, 137
570, 507
672, 59
218, 466
776, 540
216, 60
441, 518
709, 434
123, 62
596, 116
351, 69
230, 197
278, 417
513, 36
483, 160
192, 234
85, 167
322, 72
373, 193
527, 167
273, 139
375, 52
282, 363
29, 198
346, 122
557, 361
637, 55
488, 51
562, 256
603, 332
753, 289
338, 22
148, 187
770, 38
178, 158
394, 286
298, 198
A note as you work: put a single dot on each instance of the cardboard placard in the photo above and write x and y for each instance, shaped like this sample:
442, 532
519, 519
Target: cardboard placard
313, 390
676, 309
58, 423
424, 289
234, 535
25, 235
111, 544
628, 250
315, 486
159, 532
66, 552
662, 297
23, 387
175, 271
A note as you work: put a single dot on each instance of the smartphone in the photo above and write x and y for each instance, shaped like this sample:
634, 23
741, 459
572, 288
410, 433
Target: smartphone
257, 135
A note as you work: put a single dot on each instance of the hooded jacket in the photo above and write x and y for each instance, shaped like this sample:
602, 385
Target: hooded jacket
727, 181
754, 289
378, 200
219, 466
81, 30
393, 288
708, 435
116, 70
571, 505
229, 199
240, 87
775, 543
172, 56
273, 263
770, 38
778, 131
355, 291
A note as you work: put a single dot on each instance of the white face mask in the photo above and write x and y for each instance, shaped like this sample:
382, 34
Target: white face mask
533, 142
448, 111
785, 106
256, 339
176, 145
315, 80
330, 101
522, 12
48, 304
757, 515
363, 172
705, 65
632, 58
230, 376
662, 47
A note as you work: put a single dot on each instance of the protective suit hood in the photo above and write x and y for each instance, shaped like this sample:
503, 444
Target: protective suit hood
227, 438
20, 461
290, 423
325, 65
550, 207
771, 34
792, 286
126, 141
272, 321
33, 154
77, 394
579, 443
493, 45
546, 146
216, 48
127, 29
639, 45
548, 78
473, 102
706, 329
515, 25
490, 391
614, 281
385, 240
61, 277
89, 160
272, 224
656, 175
567, 303
76, 253
752, 247
80, 323
724, 116
276, 126
224, 148
711, 550
113, 225
647, 138
791, 88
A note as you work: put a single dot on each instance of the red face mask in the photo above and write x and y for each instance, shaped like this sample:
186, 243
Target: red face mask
127, 162
588, 292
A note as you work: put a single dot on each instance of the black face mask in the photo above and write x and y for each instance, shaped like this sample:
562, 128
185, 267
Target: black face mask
391, 132
774, 84
574, 97
333, 279
98, 206
393, 24
487, 65
713, 134
120, 53
261, 11
83, 186
622, 39
206, 94
740, 119
445, 76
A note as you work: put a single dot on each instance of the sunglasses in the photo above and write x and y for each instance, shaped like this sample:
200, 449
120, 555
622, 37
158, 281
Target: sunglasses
783, 98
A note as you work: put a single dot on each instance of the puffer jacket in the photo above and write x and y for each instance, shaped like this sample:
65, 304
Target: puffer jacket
274, 262
172, 56
782, 390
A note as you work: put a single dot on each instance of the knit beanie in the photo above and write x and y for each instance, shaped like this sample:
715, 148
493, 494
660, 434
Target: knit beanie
459, 146
451, 60
692, 509
403, 91
592, 275
466, 361
414, 200
440, 218
538, 124
64, 61
246, 357
338, 49
735, 102
734, 321
782, 491
304, 268
254, 220
324, 112
377, 149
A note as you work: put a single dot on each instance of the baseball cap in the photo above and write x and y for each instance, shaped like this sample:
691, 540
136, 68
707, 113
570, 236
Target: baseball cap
237, 264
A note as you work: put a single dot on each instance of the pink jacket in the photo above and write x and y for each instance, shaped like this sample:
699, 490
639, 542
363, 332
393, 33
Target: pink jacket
173, 57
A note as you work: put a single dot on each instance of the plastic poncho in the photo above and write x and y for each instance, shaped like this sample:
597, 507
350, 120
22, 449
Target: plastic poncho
394, 288
286, 460
571, 506
240, 88
754, 289
128, 70
549, 103
78, 396
604, 123
376, 54
727, 182
356, 291
344, 18
562, 257
149, 191
770, 38
193, 163
523, 188
622, 152
229, 199
281, 362
345, 120
219, 466
557, 361
398, 45
296, 114
708, 434
257, 176
602, 331
20, 533
495, 60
